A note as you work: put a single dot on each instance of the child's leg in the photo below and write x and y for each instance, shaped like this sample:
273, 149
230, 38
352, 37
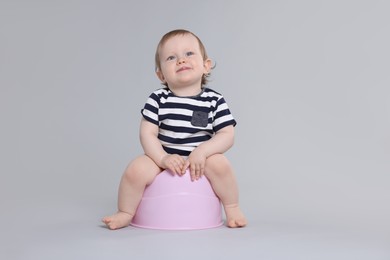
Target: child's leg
137, 175
220, 174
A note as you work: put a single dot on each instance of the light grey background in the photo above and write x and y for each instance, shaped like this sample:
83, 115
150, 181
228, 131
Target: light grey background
308, 82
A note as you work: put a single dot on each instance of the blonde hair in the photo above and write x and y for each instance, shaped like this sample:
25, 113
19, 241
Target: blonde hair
172, 34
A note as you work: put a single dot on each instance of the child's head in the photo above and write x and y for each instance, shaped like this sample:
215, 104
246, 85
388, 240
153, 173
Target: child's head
170, 35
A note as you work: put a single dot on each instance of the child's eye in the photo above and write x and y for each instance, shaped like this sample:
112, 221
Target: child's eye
170, 58
189, 53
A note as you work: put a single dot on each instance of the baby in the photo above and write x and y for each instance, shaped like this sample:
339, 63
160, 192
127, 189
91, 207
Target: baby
184, 125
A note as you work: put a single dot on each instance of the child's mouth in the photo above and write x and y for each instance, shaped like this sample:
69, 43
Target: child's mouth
183, 69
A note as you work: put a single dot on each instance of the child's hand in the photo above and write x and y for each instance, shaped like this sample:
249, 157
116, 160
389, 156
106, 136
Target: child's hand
173, 162
196, 161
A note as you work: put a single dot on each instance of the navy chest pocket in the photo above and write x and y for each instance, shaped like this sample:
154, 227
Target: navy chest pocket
199, 118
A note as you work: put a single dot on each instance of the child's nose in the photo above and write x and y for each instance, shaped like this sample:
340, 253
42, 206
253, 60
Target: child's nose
181, 60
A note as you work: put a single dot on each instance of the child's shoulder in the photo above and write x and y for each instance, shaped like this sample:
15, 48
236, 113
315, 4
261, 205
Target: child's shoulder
163, 90
160, 92
211, 92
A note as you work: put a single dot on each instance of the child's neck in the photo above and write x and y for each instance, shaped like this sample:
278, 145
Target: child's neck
186, 91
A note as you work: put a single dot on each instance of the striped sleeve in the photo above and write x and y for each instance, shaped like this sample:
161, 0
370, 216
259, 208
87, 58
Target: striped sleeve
222, 115
150, 110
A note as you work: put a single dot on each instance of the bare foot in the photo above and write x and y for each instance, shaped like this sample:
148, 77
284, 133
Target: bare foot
118, 220
235, 218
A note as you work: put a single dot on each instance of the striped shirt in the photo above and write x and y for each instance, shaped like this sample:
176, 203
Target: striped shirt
186, 122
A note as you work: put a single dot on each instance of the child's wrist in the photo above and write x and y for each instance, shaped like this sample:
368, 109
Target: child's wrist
203, 151
161, 161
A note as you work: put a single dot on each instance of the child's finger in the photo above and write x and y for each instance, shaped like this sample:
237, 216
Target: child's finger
201, 171
178, 166
192, 172
185, 166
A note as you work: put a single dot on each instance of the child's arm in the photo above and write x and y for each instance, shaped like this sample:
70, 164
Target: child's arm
153, 148
219, 143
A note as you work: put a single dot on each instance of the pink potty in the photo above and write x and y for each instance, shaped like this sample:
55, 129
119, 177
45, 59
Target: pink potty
176, 203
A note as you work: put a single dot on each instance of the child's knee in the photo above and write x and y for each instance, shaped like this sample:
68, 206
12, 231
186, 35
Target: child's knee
132, 173
218, 159
141, 169
217, 163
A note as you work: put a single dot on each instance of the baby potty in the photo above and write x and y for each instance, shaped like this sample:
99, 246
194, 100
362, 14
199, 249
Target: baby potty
176, 203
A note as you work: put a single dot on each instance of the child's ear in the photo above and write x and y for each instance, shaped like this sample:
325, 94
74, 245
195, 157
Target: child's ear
207, 65
160, 75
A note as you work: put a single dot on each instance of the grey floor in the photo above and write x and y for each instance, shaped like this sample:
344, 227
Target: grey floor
307, 81
36, 232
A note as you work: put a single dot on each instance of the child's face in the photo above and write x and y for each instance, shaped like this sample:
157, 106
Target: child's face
182, 62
